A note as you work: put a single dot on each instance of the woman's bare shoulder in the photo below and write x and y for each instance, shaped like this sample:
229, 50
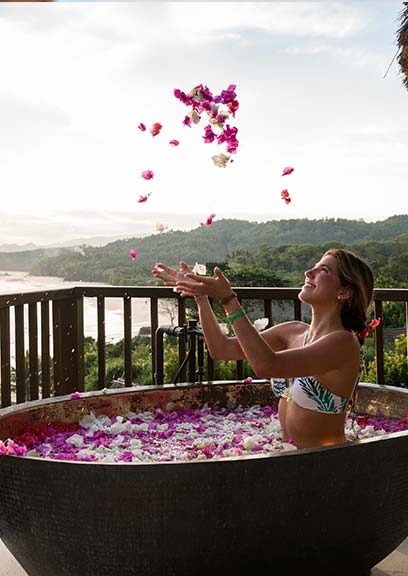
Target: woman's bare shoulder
344, 338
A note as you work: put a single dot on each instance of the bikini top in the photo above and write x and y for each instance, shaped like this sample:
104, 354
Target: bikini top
309, 393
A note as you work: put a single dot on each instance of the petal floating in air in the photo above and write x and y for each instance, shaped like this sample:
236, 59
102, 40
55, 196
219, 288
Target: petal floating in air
155, 129
288, 170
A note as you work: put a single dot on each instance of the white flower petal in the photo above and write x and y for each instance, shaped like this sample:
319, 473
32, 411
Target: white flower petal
261, 324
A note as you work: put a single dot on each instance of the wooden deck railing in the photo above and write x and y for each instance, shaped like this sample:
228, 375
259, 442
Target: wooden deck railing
56, 334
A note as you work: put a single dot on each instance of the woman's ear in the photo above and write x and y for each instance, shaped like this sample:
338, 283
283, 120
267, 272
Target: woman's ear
344, 294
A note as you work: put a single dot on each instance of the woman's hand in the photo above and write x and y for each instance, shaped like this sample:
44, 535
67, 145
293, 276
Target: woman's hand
168, 275
216, 286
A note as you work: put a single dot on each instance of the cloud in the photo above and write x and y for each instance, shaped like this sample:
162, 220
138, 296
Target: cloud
316, 19
25, 124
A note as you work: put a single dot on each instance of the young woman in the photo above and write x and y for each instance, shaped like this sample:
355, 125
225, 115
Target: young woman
314, 369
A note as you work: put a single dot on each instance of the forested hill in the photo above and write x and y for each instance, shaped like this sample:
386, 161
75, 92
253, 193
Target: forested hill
24, 260
283, 247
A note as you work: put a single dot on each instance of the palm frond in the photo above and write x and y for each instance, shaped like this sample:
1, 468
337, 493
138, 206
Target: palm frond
402, 42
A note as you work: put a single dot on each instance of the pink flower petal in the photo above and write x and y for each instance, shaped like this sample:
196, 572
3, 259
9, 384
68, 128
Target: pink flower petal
75, 395
285, 196
142, 127
288, 170
133, 254
143, 198
209, 220
147, 174
155, 129
174, 142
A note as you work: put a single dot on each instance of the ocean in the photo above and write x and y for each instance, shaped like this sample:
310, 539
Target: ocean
17, 282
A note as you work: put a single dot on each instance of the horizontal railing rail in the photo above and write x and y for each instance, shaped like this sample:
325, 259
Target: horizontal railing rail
48, 327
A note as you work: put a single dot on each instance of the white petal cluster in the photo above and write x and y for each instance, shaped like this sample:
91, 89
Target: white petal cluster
200, 269
261, 324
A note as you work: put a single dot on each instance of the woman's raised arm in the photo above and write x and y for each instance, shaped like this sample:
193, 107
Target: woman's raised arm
220, 346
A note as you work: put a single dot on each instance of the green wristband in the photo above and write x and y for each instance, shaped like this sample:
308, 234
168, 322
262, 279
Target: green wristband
233, 317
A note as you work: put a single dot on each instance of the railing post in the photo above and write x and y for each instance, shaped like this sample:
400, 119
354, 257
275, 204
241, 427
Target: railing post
5, 357
379, 343
68, 331
158, 375
406, 327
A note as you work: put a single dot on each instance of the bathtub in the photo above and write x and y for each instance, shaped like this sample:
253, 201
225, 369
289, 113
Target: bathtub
337, 510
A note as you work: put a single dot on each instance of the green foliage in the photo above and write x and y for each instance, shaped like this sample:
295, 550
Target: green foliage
114, 364
278, 246
141, 363
393, 314
395, 364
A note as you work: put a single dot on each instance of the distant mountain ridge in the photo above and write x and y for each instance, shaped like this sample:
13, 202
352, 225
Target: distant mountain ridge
203, 244
92, 241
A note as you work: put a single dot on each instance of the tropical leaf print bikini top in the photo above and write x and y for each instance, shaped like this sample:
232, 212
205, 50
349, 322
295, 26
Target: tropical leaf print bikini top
308, 393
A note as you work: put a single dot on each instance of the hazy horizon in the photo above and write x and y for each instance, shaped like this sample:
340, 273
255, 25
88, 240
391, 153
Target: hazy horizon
183, 225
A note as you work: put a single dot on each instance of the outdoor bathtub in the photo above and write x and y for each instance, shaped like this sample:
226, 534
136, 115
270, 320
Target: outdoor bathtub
335, 510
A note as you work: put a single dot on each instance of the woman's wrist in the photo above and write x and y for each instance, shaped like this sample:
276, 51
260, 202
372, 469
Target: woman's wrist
230, 303
228, 298
201, 298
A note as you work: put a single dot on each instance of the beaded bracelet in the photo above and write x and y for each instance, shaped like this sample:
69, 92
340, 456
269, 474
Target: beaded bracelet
233, 317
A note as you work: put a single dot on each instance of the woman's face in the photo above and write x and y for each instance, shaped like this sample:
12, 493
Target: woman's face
322, 282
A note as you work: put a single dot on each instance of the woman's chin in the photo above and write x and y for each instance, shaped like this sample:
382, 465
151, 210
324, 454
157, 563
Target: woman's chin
304, 296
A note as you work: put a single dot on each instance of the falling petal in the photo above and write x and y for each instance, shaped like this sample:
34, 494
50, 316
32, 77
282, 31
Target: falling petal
133, 254
199, 269
195, 117
147, 174
224, 329
174, 142
248, 380
288, 170
209, 135
261, 324
142, 127
143, 198
209, 220
75, 395
161, 227
155, 129
221, 160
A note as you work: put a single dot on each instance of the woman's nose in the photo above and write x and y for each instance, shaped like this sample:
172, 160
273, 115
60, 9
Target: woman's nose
308, 273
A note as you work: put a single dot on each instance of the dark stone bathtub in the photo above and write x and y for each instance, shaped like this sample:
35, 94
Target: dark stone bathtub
335, 510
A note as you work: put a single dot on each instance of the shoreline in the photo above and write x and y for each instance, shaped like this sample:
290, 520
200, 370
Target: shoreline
19, 281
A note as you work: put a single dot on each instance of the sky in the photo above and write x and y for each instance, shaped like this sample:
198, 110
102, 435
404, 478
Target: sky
76, 79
